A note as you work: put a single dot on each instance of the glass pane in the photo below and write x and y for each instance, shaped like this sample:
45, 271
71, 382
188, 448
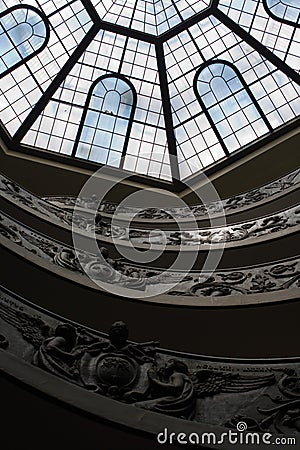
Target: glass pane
22, 34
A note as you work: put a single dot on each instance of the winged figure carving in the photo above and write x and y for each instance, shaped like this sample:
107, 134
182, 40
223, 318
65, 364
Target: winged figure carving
33, 329
174, 390
210, 382
171, 389
57, 350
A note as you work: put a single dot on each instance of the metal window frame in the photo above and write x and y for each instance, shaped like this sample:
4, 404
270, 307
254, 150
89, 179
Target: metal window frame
277, 18
41, 48
86, 109
14, 142
206, 110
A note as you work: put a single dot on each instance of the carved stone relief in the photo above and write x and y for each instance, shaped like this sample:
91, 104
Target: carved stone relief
233, 203
283, 411
14, 192
278, 276
205, 236
211, 392
210, 236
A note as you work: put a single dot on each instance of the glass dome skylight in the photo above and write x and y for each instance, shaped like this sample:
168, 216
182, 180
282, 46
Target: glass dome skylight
101, 80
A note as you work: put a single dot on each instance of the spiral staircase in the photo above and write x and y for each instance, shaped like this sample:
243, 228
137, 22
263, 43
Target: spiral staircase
231, 337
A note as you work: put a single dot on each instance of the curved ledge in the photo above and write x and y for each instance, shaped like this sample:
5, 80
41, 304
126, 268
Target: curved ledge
212, 394
241, 286
232, 205
57, 208
243, 233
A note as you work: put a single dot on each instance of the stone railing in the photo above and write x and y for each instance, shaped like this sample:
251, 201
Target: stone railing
232, 204
144, 387
241, 232
16, 194
201, 237
277, 277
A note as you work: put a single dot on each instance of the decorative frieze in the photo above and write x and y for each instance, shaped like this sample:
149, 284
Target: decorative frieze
238, 232
277, 276
187, 238
264, 395
240, 201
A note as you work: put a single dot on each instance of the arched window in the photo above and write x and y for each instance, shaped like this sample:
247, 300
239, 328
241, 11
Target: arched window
105, 125
286, 11
229, 105
24, 31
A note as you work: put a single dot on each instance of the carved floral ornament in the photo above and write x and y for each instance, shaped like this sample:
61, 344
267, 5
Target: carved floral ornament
141, 237
233, 284
280, 276
229, 205
47, 206
215, 392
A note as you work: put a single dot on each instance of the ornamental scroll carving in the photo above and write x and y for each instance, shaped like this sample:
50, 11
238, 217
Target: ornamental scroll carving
239, 232
102, 228
283, 411
215, 392
213, 236
243, 200
278, 276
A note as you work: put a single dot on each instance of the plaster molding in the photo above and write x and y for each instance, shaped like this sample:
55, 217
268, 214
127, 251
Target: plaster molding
243, 233
275, 281
133, 384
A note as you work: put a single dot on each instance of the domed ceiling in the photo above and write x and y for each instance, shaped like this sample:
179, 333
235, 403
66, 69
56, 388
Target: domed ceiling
163, 88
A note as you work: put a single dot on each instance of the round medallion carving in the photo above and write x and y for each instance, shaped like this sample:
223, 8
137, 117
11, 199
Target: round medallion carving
116, 370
